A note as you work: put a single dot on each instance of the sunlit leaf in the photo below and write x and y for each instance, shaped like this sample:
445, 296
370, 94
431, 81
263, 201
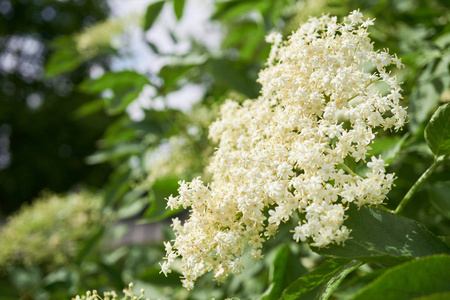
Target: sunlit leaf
178, 7
437, 132
125, 87
152, 14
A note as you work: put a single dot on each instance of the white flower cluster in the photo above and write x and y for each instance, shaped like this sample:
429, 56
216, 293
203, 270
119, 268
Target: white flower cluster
283, 153
128, 294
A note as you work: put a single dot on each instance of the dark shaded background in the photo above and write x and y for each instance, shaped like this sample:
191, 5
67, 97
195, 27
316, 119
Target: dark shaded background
42, 144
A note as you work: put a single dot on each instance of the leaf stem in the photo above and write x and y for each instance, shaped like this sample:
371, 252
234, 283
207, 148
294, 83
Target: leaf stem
437, 162
350, 171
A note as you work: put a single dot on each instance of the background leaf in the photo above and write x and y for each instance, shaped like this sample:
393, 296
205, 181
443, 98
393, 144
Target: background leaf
439, 196
152, 14
437, 132
178, 7
421, 277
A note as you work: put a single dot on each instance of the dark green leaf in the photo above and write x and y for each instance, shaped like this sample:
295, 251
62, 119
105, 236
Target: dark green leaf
439, 196
178, 7
233, 76
278, 269
320, 283
437, 132
155, 276
65, 58
421, 277
172, 73
389, 148
162, 189
152, 14
89, 244
435, 296
382, 237
89, 108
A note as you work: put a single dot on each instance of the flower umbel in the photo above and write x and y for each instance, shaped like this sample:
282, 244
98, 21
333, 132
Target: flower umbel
284, 152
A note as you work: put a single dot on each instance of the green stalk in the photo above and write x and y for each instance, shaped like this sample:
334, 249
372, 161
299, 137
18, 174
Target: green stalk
350, 171
422, 179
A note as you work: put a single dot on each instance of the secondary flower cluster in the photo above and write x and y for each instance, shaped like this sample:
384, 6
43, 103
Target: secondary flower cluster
51, 231
128, 294
283, 153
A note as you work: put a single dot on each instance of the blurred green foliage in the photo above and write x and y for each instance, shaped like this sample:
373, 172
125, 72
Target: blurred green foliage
135, 165
44, 145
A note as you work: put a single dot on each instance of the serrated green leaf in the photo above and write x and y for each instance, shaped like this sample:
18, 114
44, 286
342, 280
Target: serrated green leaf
437, 132
320, 283
382, 237
152, 14
178, 7
418, 278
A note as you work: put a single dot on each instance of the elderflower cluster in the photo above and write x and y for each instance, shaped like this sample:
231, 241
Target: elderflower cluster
128, 294
52, 230
105, 34
283, 153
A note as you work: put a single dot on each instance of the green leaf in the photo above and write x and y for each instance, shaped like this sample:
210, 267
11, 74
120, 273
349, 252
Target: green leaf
162, 188
119, 151
65, 58
178, 7
418, 278
233, 76
152, 14
89, 108
278, 269
321, 282
388, 147
439, 196
382, 237
435, 296
172, 73
154, 276
89, 245
228, 10
125, 86
437, 132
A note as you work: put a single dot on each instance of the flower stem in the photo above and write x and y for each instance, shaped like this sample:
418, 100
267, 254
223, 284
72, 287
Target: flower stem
350, 171
437, 162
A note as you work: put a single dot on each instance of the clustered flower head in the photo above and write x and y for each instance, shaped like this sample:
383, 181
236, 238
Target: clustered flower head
51, 231
128, 294
283, 153
105, 34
